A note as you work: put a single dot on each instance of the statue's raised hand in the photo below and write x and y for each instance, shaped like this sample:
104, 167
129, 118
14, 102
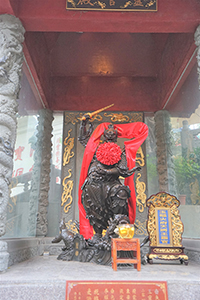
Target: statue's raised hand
85, 118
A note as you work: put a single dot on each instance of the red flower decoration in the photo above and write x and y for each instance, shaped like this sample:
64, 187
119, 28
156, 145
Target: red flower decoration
108, 153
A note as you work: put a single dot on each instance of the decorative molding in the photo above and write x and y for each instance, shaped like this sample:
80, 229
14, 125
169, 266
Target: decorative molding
168, 257
69, 145
67, 190
112, 5
129, 117
117, 117
141, 196
141, 227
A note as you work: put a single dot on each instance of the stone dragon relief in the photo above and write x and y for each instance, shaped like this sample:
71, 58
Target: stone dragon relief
47, 119
165, 163
41, 173
11, 60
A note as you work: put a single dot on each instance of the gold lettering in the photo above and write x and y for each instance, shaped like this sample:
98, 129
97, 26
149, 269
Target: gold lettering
112, 2
89, 292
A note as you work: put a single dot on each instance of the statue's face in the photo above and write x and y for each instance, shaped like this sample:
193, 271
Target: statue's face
110, 134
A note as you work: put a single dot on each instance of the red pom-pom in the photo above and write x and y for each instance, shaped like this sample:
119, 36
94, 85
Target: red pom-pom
108, 153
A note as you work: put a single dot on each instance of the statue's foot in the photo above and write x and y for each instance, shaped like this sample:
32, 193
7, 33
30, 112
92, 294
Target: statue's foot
95, 239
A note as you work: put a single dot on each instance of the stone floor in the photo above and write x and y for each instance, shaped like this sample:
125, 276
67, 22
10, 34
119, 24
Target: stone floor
44, 277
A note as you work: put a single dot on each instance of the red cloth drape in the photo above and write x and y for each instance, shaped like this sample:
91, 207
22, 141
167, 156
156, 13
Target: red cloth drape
136, 133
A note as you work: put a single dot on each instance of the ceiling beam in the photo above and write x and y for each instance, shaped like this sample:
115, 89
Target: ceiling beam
91, 93
178, 60
37, 67
31, 74
51, 15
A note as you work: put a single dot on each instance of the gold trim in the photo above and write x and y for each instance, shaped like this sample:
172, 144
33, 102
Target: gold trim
141, 227
167, 250
71, 117
168, 257
75, 117
68, 153
117, 117
140, 157
166, 202
177, 226
71, 226
121, 9
141, 196
67, 190
194, 189
97, 118
136, 117
163, 200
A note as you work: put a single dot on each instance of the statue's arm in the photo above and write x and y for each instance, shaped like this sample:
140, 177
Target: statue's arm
84, 132
130, 172
123, 168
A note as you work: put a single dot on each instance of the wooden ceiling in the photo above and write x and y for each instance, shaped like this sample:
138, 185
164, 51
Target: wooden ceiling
140, 61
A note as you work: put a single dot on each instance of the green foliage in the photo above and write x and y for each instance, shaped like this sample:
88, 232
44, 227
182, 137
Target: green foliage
151, 167
187, 170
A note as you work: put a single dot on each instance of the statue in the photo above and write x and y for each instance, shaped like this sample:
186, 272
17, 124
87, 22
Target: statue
102, 196
104, 202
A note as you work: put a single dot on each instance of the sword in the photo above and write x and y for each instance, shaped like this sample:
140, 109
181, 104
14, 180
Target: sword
96, 112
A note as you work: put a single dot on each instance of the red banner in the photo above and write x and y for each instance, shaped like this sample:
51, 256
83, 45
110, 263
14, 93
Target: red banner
116, 290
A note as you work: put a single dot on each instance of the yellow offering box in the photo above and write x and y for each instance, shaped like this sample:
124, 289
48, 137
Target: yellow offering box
125, 231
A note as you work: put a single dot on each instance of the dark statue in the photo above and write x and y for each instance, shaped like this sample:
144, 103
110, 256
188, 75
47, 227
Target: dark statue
103, 199
103, 195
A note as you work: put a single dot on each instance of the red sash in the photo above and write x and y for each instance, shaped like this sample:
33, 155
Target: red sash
137, 133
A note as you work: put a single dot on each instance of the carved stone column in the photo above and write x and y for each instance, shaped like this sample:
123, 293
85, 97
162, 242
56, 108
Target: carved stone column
165, 165
41, 175
197, 43
11, 60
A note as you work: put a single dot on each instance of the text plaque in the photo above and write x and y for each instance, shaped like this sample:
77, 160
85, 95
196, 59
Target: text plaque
112, 5
113, 290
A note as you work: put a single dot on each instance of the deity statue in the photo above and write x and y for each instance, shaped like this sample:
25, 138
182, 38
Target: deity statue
102, 196
104, 201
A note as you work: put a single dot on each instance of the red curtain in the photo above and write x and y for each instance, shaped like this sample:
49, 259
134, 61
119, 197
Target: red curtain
136, 133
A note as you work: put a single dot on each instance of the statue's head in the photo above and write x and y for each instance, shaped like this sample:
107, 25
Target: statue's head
110, 134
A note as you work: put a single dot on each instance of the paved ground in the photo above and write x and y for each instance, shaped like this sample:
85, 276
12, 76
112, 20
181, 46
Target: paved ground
45, 277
